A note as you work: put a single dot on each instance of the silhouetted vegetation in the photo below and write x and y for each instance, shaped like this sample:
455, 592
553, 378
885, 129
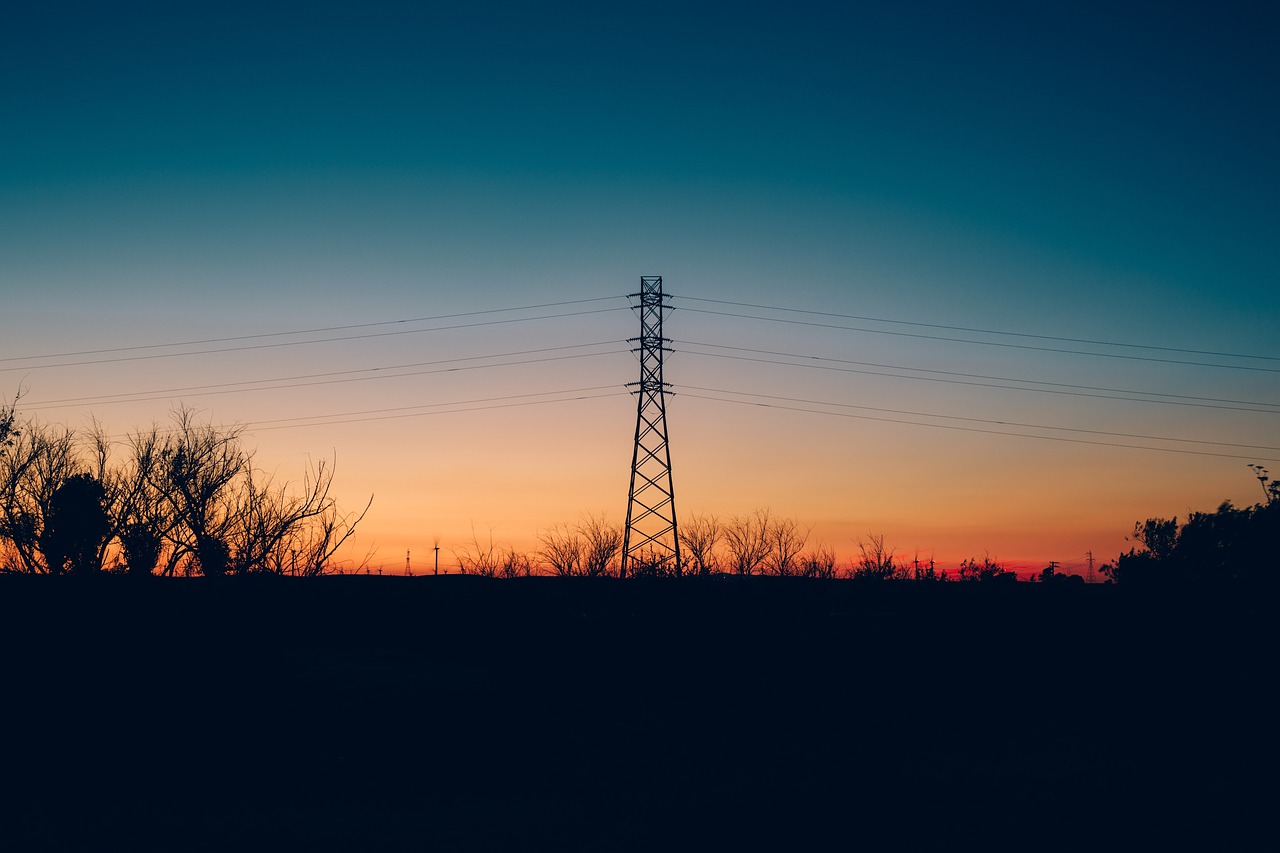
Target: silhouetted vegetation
592, 548
1230, 545
182, 500
76, 528
1050, 575
188, 500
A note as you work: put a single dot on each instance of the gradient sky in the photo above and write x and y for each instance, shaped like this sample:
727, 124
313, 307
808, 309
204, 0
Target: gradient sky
1094, 171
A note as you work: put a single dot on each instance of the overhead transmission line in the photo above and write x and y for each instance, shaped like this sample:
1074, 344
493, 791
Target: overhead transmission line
817, 362
958, 428
504, 401
945, 326
315, 330
991, 421
279, 344
331, 377
919, 335
400, 412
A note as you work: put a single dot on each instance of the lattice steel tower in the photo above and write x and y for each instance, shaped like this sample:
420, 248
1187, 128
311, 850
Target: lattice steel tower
651, 540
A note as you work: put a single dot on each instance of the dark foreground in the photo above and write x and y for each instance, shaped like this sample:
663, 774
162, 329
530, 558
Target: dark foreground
455, 713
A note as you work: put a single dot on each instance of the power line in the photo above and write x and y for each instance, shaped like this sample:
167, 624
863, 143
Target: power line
987, 420
365, 415
1175, 399
306, 343
980, 430
981, 384
312, 331
983, 331
1145, 358
349, 418
326, 378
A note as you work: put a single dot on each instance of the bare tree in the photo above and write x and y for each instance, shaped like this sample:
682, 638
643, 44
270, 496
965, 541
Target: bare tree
700, 534
491, 561
187, 498
601, 543
38, 459
514, 565
561, 550
589, 548
142, 522
746, 540
786, 541
290, 531
819, 563
198, 465
875, 561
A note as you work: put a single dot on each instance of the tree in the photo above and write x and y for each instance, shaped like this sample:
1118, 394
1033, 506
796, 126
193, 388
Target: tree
198, 464
746, 539
1050, 575
589, 549
76, 527
819, 563
141, 521
189, 498
875, 561
283, 530
8, 412
601, 545
1230, 545
786, 541
700, 534
985, 572
1270, 487
1158, 535
491, 561
37, 461
228, 516
561, 550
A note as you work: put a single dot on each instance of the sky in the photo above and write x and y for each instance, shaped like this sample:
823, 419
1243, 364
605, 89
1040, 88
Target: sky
930, 263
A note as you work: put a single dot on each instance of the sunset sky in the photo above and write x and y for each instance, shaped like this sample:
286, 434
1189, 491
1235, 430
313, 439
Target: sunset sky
973, 258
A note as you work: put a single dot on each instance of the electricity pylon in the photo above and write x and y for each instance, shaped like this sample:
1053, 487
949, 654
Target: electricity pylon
651, 541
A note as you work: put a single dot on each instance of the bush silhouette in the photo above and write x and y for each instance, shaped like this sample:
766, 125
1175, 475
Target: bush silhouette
77, 527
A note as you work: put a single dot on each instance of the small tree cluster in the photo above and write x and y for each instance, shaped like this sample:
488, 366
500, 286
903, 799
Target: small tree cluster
590, 548
876, 561
752, 544
984, 571
187, 499
1230, 545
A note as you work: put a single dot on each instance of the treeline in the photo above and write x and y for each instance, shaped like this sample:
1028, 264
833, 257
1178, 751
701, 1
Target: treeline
180, 500
754, 544
1231, 545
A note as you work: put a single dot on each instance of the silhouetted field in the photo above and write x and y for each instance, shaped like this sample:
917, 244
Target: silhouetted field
442, 713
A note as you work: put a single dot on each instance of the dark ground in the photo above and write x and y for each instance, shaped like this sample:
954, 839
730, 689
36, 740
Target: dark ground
443, 713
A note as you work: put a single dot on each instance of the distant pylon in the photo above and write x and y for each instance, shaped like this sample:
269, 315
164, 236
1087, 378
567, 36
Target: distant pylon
651, 539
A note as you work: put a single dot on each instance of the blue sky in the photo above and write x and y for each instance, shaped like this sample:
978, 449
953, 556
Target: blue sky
1100, 171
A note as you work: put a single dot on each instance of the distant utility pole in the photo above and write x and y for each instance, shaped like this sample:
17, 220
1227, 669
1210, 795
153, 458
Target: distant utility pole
650, 536
408, 572
1090, 577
